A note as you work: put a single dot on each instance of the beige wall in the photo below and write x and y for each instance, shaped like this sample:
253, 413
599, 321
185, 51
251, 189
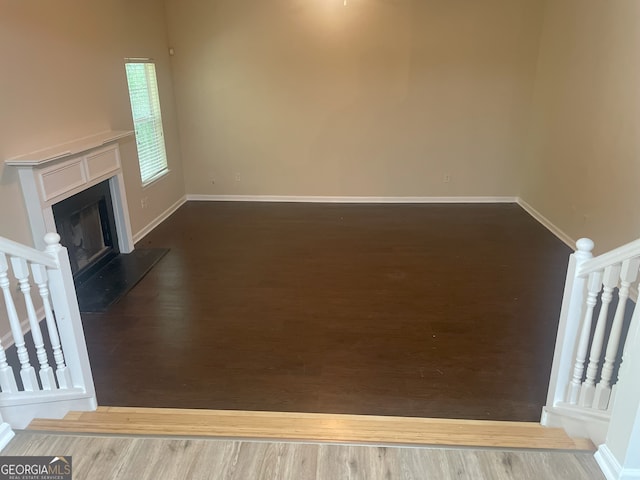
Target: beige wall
309, 97
582, 168
63, 78
381, 97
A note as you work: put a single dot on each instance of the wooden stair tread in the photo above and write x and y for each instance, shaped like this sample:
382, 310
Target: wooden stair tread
313, 427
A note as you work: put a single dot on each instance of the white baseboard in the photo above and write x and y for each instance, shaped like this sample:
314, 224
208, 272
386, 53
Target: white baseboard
577, 423
607, 463
633, 292
6, 434
370, 199
159, 219
611, 468
345, 199
547, 223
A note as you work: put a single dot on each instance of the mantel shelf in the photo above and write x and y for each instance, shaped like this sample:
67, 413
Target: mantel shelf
65, 150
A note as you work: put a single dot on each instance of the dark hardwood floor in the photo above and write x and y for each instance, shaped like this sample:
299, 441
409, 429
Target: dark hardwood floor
412, 310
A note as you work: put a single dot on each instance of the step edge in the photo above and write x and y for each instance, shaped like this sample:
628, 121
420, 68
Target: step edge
524, 435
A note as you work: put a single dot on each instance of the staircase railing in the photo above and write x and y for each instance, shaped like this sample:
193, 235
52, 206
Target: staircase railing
49, 374
592, 389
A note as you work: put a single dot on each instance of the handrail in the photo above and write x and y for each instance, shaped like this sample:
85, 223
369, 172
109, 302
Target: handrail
617, 255
16, 249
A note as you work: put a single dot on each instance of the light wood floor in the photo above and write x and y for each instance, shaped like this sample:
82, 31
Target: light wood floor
139, 458
313, 427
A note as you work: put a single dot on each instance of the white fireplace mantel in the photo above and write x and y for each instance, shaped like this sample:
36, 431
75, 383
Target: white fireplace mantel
51, 175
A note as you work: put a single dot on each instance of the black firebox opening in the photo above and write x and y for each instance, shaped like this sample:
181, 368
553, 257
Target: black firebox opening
86, 225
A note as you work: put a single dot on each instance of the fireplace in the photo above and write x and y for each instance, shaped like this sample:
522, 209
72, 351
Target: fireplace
64, 172
77, 189
86, 225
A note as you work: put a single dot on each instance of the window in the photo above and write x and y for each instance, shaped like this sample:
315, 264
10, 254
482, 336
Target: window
147, 119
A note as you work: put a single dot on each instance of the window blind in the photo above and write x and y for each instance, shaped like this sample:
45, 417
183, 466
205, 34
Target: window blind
147, 119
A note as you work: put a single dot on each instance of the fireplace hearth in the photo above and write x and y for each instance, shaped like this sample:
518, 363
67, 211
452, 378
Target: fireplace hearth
77, 189
87, 228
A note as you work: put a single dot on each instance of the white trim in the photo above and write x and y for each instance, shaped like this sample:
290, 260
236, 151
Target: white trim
6, 434
611, 468
121, 212
547, 223
158, 220
633, 292
67, 149
576, 422
156, 178
39, 203
617, 255
15, 249
608, 463
345, 199
22, 409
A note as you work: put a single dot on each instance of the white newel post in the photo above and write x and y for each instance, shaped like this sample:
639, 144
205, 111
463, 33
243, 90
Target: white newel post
65, 306
568, 326
619, 456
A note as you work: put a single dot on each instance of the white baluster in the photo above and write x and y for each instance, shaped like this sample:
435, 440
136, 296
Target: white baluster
623, 366
618, 456
593, 288
610, 281
27, 372
628, 275
62, 371
21, 272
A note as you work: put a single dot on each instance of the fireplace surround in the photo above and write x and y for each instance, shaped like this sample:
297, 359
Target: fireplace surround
50, 176
86, 225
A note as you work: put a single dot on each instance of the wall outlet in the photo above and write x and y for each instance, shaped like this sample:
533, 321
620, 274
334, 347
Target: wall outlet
144, 202
446, 178
237, 177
